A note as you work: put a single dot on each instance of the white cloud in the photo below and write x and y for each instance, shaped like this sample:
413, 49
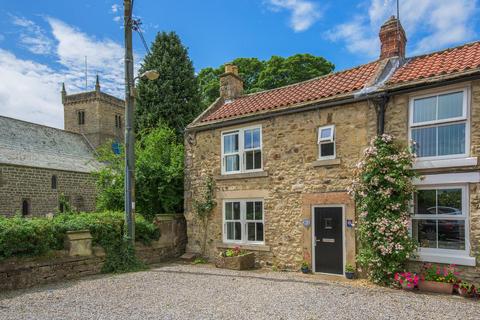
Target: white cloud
429, 24
115, 10
104, 57
115, 7
357, 37
33, 37
31, 91
304, 13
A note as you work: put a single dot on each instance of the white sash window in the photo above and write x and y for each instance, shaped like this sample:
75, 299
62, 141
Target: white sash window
439, 126
243, 221
242, 150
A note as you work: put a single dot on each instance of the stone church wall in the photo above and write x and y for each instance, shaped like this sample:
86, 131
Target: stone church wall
35, 185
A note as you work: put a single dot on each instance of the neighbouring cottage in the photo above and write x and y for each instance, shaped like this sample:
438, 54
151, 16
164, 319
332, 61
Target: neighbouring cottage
42, 169
282, 159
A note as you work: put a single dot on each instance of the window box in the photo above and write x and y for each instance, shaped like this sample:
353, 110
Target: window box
242, 262
435, 287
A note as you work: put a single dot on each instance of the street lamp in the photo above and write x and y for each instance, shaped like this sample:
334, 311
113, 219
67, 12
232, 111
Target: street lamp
129, 122
150, 75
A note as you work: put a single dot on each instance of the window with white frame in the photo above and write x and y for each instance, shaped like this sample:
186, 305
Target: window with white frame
243, 221
440, 219
242, 150
326, 142
438, 124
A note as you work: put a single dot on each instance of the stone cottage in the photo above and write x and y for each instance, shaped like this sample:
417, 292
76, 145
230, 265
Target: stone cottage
282, 159
43, 169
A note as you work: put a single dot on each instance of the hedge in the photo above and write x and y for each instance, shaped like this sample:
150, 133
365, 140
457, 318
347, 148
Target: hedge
37, 236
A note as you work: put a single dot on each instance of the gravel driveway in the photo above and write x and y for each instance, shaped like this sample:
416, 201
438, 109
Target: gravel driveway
177, 291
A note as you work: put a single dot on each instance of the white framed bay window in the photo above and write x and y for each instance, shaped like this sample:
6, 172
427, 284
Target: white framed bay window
242, 150
439, 124
440, 223
243, 221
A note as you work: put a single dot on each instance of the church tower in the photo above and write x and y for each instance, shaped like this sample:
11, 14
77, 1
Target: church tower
98, 116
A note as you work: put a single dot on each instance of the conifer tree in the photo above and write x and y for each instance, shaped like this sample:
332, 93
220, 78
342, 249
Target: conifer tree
174, 98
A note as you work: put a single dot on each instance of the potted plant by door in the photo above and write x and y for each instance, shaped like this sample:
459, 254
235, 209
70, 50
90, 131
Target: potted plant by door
349, 271
305, 267
437, 279
466, 289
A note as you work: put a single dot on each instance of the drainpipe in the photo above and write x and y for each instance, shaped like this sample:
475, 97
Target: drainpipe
380, 103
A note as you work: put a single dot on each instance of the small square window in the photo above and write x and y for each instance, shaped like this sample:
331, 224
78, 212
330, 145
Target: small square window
326, 142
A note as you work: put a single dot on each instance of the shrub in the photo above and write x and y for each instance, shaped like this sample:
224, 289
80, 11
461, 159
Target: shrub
382, 189
37, 236
159, 174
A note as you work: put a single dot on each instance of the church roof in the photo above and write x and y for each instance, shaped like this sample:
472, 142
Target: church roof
33, 145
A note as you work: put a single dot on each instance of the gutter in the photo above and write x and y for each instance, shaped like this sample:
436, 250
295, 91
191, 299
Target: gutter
430, 85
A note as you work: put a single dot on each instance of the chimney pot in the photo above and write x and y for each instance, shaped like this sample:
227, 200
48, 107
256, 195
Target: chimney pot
231, 85
393, 39
231, 68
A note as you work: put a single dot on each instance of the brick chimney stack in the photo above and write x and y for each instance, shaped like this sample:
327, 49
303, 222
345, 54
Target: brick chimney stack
393, 39
231, 85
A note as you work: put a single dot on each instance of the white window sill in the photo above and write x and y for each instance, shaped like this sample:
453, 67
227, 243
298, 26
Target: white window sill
448, 178
447, 259
246, 175
326, 162
444, 163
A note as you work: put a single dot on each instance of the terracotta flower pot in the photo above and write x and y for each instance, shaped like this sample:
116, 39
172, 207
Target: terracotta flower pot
243, 262
436, 287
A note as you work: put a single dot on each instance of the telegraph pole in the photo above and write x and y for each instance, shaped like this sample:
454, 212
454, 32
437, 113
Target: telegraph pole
129, 125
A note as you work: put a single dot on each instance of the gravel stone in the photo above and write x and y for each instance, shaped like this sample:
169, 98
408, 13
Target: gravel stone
180, 291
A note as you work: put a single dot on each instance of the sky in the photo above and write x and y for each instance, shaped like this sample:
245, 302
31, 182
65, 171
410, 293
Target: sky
44, 42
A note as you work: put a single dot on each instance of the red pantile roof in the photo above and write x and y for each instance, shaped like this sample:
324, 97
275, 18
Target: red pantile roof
308, 91
449, 61
453, 61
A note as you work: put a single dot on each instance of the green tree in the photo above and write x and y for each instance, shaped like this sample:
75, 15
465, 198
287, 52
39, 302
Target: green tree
261, 75
159, 175
300, 67
174, 98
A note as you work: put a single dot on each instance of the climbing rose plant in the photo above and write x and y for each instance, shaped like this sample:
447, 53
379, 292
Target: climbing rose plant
382, 188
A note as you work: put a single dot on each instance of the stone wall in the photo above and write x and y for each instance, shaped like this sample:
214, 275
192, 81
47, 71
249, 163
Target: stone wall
292, 182
35, 184
19, 273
